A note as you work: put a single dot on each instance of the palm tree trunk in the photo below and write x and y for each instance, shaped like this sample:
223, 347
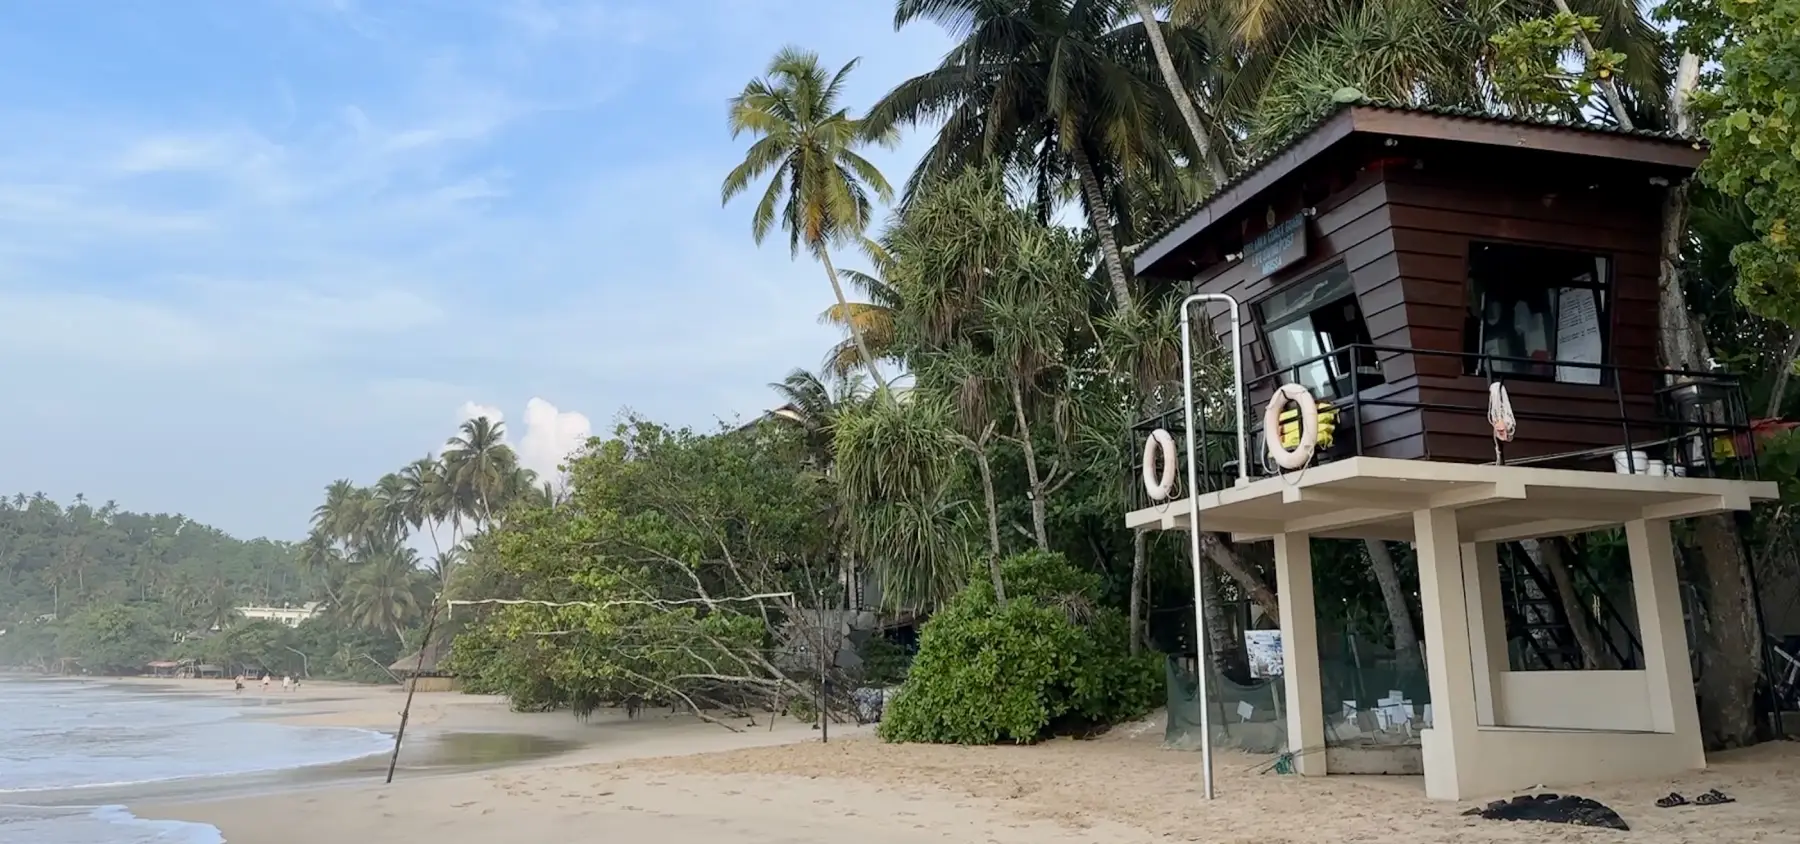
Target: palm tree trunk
1226, 654
1165, 62
1731, 642
1135, 622
1040, 515
1679, 336
1097, 217
1387, 575
856, 334
1608, 88
1227, 560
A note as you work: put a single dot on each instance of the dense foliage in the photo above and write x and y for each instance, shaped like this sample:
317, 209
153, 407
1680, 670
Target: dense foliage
56, 560
686, 557
1053, 656
104, 591
1755, 134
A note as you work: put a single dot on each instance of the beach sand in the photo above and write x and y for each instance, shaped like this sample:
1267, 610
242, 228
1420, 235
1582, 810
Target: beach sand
677, 780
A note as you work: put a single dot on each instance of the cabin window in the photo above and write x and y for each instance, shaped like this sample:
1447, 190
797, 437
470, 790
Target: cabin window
1536, 313
1310, 328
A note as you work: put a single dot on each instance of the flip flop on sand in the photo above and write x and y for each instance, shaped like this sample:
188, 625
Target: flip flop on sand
1671, 801
1714, 797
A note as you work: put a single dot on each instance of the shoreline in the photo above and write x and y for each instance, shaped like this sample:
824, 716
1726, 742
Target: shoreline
678, 779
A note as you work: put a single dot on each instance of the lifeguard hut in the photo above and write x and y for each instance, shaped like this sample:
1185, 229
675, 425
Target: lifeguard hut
1460, 312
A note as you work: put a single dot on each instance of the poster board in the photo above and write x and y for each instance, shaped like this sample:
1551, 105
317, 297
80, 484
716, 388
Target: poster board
1578, 335
1263, 650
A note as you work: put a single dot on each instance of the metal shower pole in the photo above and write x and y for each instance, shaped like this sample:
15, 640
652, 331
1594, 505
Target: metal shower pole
1193, 491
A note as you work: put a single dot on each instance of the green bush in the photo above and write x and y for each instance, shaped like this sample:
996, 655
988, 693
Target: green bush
1052, 659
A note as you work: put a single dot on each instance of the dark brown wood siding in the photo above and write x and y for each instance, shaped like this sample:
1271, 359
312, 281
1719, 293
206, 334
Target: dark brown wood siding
1437, 215
1405, 237
1349, 227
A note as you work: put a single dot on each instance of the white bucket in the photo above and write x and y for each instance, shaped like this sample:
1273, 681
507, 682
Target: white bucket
1631, 462
1657, 468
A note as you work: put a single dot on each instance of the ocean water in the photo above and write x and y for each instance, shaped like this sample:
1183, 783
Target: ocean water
59, 739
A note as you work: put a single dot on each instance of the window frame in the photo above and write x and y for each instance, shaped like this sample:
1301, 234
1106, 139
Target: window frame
1340, 385
1606, 290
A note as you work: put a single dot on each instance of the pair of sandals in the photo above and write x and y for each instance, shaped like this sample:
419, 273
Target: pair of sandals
1714, 797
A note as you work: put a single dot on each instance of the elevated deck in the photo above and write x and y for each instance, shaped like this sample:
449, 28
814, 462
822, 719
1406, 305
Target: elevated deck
1375, 498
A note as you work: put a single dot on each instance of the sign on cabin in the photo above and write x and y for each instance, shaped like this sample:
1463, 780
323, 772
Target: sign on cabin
1279, 247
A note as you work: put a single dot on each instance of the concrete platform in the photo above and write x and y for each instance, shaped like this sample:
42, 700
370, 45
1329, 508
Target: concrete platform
1375, 498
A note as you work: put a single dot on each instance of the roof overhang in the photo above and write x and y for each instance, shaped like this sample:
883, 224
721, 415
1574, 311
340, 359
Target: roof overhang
1375, 498
1475, 130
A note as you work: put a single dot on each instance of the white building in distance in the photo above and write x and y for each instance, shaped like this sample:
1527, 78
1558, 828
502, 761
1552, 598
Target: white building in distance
290, 616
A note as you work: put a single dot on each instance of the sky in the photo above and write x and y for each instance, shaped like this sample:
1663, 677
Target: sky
248, 248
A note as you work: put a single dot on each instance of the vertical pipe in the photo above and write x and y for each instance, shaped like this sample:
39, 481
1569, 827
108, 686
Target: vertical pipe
1201, 665
1237, 382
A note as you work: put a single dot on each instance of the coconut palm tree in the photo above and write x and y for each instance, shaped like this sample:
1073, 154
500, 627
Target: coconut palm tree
1291, 58
1051, 87
385, 592
425, 498
321, 558
819, 186
444, 565
1178, 90
816, 407
477, 462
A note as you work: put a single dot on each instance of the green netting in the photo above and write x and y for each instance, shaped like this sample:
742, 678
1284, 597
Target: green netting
1246, 717
1358, 680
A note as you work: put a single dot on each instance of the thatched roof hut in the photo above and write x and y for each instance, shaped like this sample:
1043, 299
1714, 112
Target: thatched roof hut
411, 666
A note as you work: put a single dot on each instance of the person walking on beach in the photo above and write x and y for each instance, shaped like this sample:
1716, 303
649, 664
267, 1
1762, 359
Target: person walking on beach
287, 682
265, 684
237, 685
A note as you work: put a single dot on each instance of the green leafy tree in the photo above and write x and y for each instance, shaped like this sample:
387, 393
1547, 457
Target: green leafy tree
115, 639
687, 558
1754, 128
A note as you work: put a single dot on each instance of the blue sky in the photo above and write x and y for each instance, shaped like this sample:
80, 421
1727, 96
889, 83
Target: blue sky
249, 247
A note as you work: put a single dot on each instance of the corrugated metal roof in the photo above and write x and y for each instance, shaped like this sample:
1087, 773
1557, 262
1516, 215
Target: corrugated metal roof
1251, 167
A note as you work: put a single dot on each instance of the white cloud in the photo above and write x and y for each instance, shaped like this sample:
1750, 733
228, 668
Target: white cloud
548, 437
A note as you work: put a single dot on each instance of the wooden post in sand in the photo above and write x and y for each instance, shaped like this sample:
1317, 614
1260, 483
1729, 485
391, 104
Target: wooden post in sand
824, 674
412, 685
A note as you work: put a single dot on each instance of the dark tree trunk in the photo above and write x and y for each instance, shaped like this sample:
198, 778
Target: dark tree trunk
1730, 642
1400, 620
1139, 540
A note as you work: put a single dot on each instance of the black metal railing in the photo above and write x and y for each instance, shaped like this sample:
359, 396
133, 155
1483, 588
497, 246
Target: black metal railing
1689, 413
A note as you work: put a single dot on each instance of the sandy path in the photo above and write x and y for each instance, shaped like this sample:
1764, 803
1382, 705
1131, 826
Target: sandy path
1136, 783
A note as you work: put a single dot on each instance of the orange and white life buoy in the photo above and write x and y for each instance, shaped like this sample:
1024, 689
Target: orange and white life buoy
1309, 426
1159, 484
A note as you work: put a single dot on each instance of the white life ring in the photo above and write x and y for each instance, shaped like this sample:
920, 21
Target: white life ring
1309, 427
1159, 487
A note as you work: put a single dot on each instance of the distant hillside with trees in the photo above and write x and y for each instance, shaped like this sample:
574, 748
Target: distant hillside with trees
57, 561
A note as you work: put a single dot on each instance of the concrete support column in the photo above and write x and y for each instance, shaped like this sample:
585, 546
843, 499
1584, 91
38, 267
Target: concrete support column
1668, 675
1300, 653
1449, 746
1487, 623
